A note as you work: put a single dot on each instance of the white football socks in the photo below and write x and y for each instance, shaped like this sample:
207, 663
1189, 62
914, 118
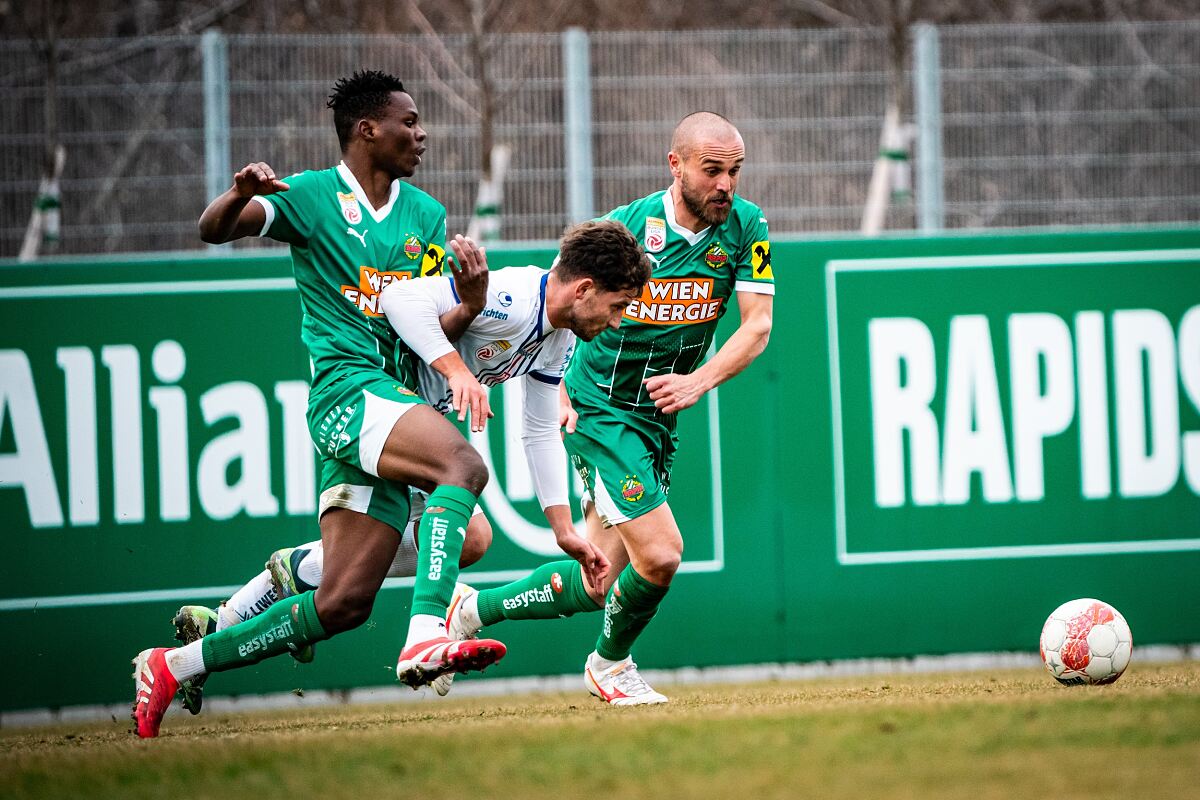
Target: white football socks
186, 662
249, 601
423, 627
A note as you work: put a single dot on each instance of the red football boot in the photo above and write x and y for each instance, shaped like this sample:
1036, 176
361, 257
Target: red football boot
156, 688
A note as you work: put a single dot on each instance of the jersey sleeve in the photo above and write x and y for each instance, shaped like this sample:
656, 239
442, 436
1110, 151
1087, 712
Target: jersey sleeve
413, 309
752, 272
290, 214
434, 260
552, 361
544, 449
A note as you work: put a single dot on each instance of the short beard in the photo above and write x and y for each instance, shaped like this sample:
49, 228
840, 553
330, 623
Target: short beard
695, 204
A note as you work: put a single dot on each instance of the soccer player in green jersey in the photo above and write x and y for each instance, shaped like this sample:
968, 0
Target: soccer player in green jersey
624, 389
353, 229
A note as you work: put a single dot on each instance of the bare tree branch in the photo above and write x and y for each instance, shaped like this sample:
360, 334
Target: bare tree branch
825, 13
422, 22
136, 45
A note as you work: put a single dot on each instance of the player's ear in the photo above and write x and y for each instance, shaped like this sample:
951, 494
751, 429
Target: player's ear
366, 129
675, 163
582, 286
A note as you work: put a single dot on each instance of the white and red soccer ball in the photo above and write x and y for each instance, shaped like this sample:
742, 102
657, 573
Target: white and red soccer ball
1086, 641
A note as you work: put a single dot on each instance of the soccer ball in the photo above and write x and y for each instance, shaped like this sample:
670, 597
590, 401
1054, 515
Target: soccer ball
1086, 641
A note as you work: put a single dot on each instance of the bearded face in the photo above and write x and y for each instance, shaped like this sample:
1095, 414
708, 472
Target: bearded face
708, 202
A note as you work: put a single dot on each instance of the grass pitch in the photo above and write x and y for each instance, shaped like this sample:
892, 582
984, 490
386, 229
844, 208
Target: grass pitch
977, 736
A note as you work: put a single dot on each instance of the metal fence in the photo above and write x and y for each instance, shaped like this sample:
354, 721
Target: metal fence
1039, 125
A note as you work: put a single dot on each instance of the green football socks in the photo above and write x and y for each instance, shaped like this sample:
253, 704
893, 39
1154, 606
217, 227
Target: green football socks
632, 603
442, 530
287, 626
552, 590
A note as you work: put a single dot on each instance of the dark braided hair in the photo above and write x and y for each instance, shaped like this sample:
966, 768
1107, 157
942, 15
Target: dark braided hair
365, 94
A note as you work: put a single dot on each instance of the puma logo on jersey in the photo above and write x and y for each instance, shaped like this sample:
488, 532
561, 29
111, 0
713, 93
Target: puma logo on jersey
362, 237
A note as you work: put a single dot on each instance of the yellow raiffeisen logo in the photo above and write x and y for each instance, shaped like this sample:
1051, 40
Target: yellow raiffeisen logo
675, 301
370, 283
432, 263
760, 261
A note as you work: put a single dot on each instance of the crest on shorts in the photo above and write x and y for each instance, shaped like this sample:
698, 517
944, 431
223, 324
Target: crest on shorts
402, 390
715, 256
351, 210
632, 489
656, 234
413, 248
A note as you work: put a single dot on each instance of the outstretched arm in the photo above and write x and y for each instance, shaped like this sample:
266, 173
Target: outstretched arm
231, 215
672, 393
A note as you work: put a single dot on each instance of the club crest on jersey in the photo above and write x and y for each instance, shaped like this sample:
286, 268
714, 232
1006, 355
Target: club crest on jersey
413, 249
632, 489
656, 235
715, 256
504, 298
492, 349
351, 210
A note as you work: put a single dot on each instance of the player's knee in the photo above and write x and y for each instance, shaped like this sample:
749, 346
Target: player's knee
479, 539
465, 468
344, 610
661, 564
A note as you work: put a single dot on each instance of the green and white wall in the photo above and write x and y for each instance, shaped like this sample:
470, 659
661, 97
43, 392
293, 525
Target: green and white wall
946, 438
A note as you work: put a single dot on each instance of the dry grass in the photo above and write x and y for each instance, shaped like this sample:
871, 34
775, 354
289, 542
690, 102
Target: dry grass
915, 736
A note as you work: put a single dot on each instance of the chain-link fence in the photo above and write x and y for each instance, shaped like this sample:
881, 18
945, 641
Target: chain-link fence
1071, 125
1041, 125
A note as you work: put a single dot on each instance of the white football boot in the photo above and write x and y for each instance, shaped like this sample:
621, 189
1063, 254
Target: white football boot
459, 629
619, 685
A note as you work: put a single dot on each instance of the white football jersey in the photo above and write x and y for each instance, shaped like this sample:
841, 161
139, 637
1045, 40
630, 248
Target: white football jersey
510, 337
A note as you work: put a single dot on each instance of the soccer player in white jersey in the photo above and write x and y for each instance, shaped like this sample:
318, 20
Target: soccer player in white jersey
525, 327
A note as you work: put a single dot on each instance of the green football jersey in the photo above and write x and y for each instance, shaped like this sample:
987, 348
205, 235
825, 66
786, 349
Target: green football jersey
343, 253
670, 327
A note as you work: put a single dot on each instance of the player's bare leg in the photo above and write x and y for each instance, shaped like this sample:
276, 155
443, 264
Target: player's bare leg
291, 571
655, 548
608, 539
360, 551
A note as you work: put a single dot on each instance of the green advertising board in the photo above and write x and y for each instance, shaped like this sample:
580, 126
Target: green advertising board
946, 438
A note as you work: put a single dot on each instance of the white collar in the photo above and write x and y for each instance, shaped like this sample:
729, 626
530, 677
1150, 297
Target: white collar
669, 212
364, 201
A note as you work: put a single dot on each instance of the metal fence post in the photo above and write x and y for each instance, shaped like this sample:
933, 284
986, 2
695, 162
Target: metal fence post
214, 48
577, 113
927, 93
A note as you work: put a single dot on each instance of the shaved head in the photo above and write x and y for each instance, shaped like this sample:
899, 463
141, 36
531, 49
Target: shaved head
705, 159
702, 126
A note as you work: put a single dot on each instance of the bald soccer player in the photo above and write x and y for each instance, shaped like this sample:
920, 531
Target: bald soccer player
623, 391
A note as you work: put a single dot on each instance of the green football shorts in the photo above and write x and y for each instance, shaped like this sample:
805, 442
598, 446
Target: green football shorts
624, 460
349, 420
